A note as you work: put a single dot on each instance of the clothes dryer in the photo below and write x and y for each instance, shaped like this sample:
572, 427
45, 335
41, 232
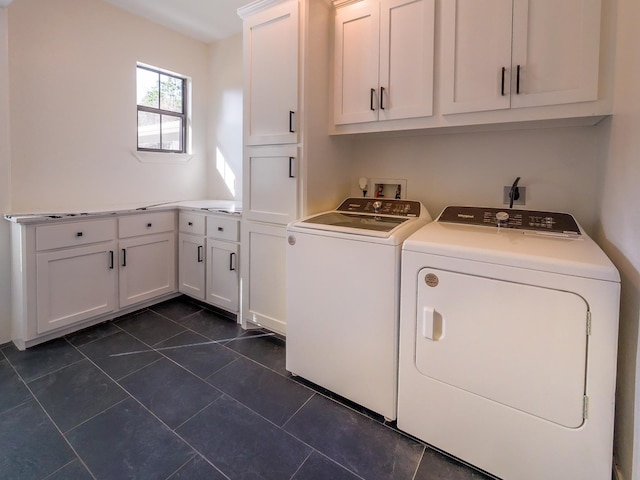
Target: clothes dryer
508, 337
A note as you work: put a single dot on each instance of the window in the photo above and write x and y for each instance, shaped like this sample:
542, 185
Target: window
162, 111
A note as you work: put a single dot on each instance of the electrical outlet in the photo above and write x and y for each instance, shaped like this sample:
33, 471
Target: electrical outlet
520, 201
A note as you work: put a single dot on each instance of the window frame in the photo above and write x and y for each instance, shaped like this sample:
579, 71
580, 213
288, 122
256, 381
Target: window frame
183, 115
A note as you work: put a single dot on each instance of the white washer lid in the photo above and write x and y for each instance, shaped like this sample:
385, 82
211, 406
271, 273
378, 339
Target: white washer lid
580, 257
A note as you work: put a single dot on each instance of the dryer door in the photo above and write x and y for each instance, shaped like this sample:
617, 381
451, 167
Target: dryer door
519, 345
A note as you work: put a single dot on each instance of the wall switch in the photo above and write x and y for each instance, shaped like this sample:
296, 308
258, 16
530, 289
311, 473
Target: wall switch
519, 201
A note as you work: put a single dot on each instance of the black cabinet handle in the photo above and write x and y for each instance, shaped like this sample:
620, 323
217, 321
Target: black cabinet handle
291, 113
381, 98
79, 234
221, 229
502, 86
110, 259
232, 261
190, 224
148, 225
518, 80
373, 92
124, 257
199, 253
291, 174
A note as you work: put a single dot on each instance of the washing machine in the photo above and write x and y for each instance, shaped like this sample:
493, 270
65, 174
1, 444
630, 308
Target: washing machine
343, 298
508, 337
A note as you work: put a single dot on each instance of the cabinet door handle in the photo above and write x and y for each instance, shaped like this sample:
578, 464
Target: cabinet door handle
110, 259
373, 92
79, 234
502, 82
190, 224
199, 253
291, 173
124, 257
232, 261
518, 80
291, 113
148, 225
221, 229
381, 98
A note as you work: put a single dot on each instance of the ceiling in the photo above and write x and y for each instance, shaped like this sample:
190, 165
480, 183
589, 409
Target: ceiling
204, 20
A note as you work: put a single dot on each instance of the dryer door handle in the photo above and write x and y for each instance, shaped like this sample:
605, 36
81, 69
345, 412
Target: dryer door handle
432, 324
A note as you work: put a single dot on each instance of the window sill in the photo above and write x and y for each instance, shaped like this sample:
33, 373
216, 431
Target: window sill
159, 157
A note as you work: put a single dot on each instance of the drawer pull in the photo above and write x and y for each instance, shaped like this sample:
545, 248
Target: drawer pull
221, 229
232, 261
79, 234
190, 224
110, 259
199, 253
124, 257
148, 225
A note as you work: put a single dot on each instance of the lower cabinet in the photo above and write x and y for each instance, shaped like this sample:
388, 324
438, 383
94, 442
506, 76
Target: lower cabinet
191, 269
75, 284
67, 275
222, 274
208, 259
147, 267
263, 270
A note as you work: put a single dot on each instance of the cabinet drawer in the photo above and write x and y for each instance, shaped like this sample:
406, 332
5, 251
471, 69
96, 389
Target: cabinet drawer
73, 234
223, 228
146, 223
192, 223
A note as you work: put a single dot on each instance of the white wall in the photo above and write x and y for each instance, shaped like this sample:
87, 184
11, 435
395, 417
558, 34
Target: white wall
558, 166
73, 115
619, 231
224, 169
5, 184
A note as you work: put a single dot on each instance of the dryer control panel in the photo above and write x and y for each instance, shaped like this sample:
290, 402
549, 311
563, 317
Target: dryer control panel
547, 222
379, 206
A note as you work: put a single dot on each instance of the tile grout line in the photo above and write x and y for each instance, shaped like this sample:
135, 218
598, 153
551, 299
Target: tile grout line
195, 451
55, 425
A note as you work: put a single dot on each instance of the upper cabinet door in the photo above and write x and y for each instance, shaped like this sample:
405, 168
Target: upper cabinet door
476, 55
356, 63
270, 41
406, 59
557, 46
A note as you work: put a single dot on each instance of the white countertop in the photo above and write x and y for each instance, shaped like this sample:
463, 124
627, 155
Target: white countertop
228, 207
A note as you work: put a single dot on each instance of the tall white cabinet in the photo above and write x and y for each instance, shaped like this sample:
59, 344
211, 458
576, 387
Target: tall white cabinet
291, 166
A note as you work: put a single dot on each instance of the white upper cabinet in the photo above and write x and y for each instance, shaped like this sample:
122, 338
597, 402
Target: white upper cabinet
383, 60
501, 54
270, 44
556, 44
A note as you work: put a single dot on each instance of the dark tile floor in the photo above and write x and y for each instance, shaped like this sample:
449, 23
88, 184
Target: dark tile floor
177, 391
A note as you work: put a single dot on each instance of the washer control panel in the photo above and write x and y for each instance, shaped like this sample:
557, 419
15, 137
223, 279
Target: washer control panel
378, 206
549, 222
